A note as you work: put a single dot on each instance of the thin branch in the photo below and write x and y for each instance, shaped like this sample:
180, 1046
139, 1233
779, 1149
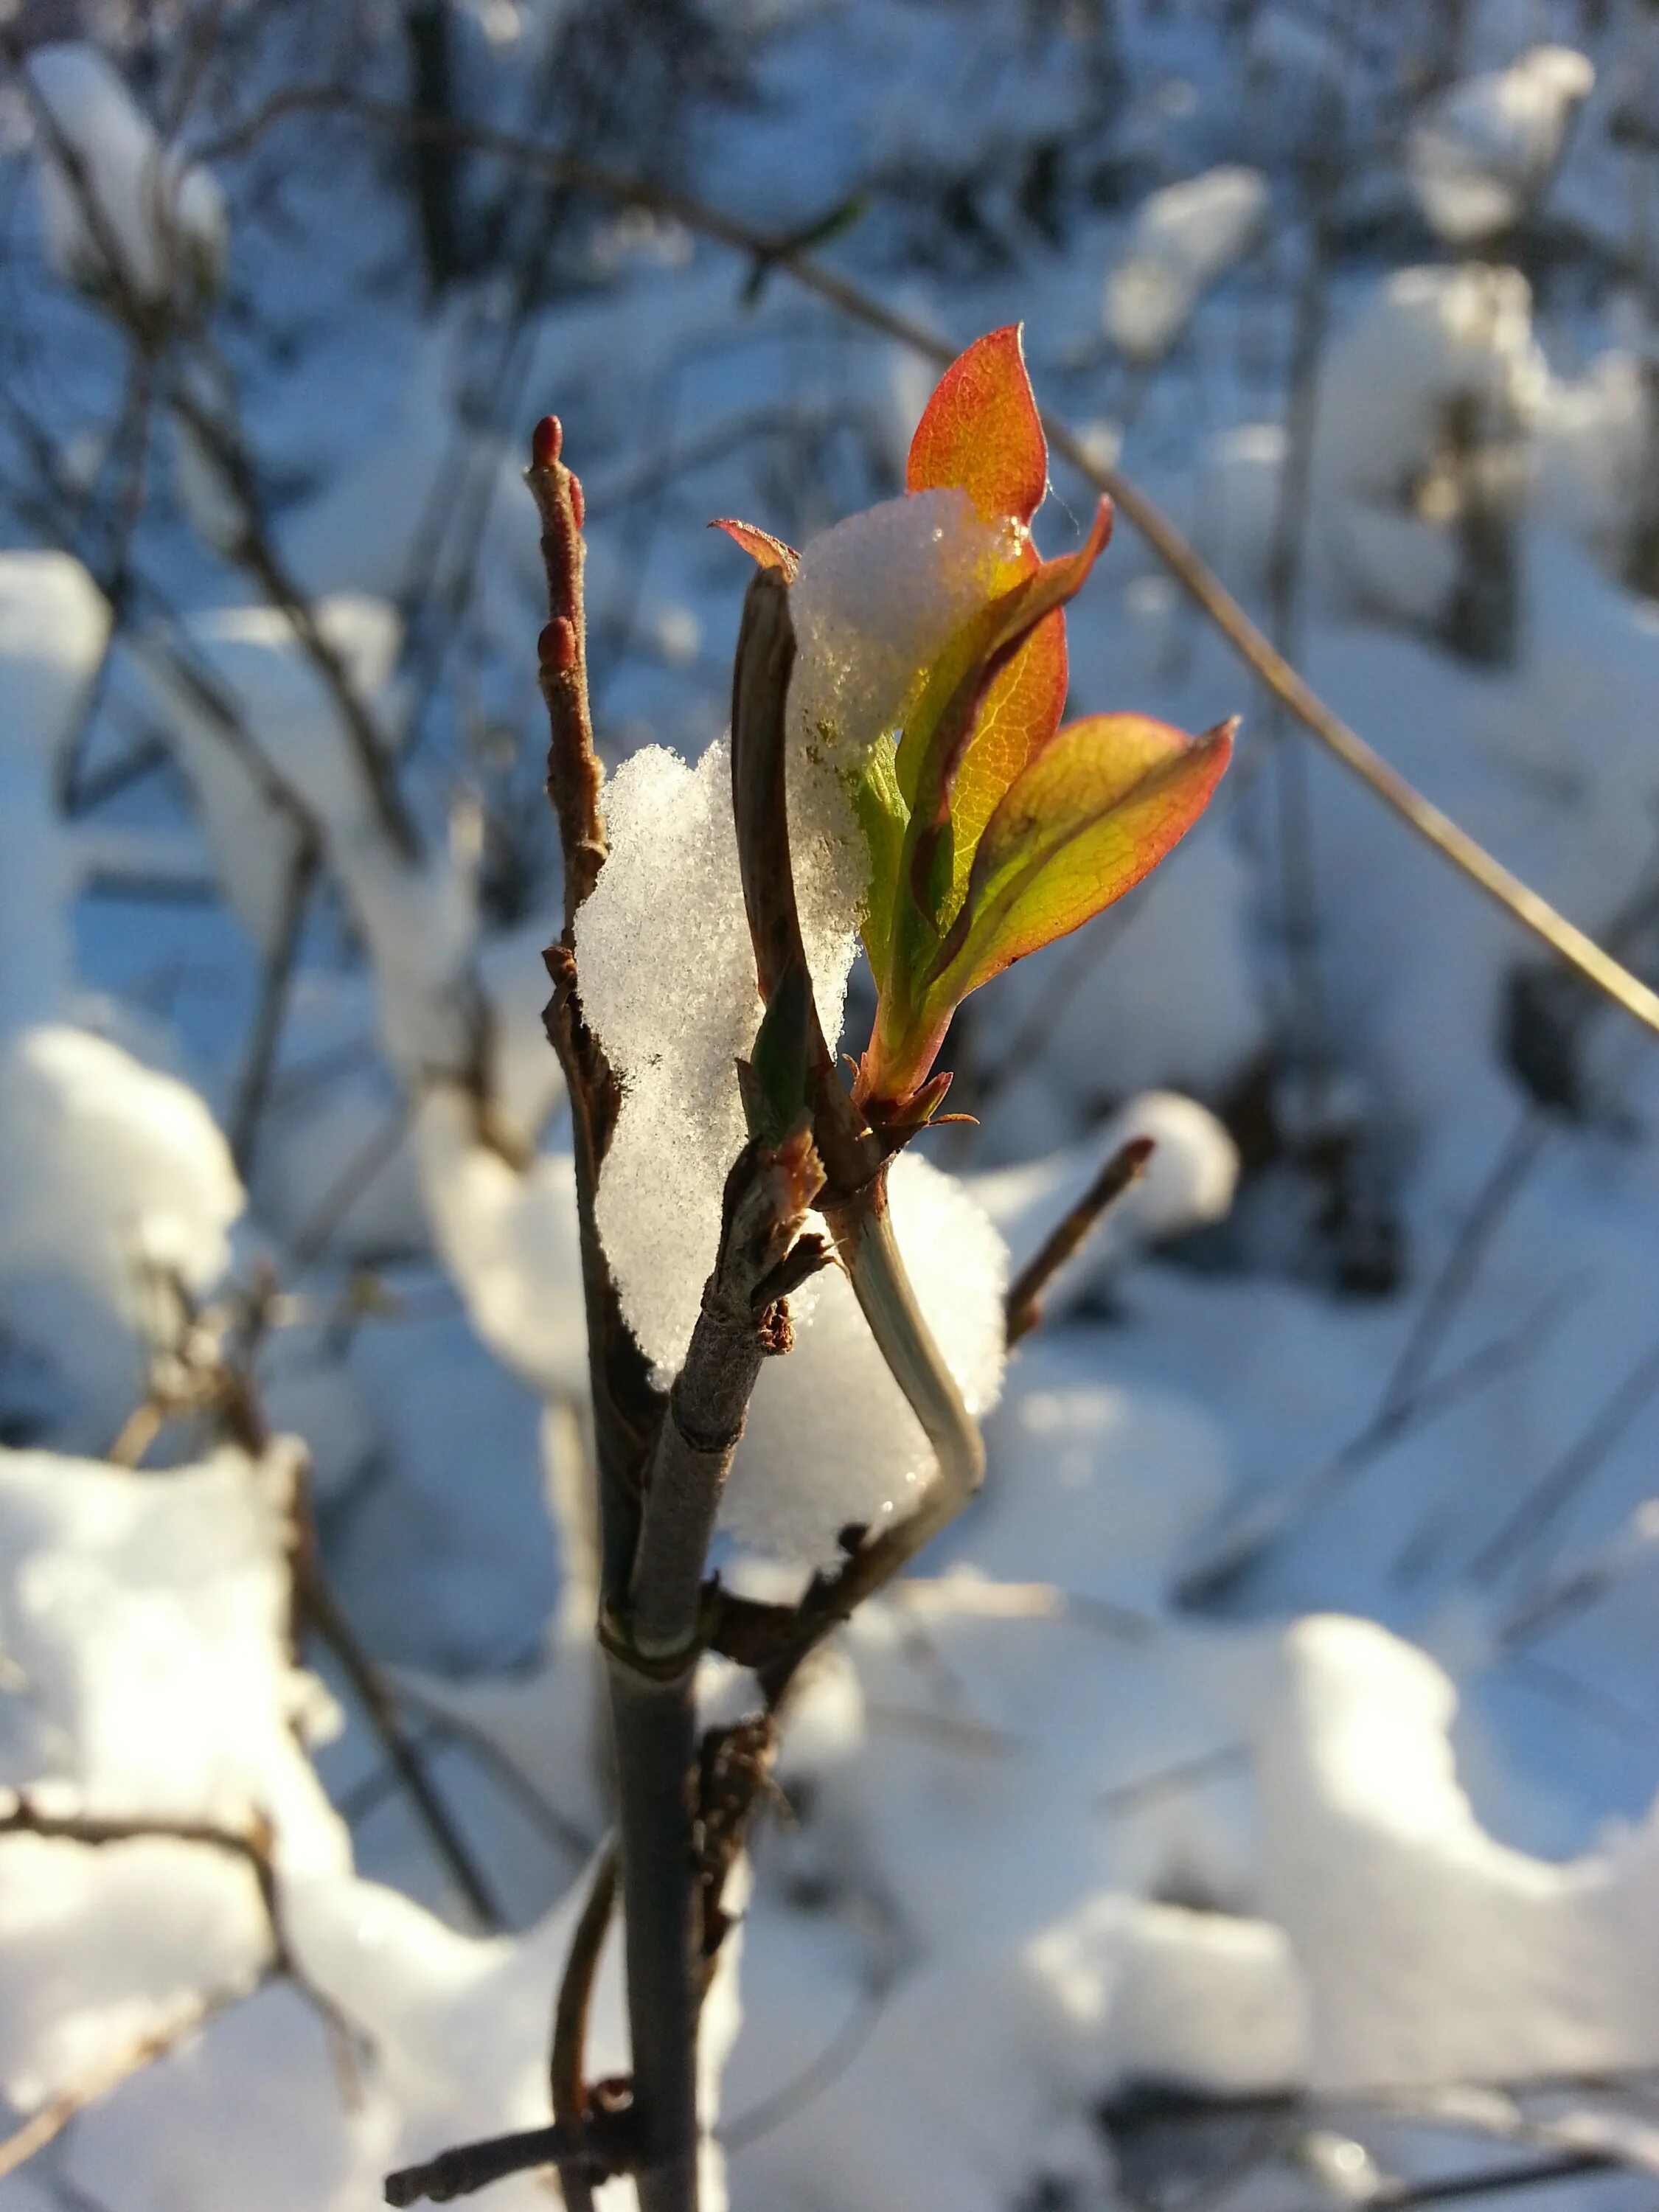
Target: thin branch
1565, 939
320, 1607
855, 1158
626, 1407
1489, 2181
471, 2167
253, 1088
1118, 1174
223, 439
574, 775
1479, 1226
444, 1725
153, 325
1241, 1543
371, 1159
1549, 1498
48, 2121
253, 1845
568, 2069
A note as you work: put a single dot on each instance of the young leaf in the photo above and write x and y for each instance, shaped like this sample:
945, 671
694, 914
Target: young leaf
1093, 814
882, 816
981, 433
1021, 713
939, 732
770, 552
774, 1080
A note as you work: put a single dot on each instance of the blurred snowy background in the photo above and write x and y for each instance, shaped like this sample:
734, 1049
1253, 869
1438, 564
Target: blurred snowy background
1250, 1804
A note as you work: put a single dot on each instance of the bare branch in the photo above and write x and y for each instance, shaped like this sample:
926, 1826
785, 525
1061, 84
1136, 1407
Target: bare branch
567, 2071
471, 2166
768, 1194
48, 2121
574, 776
255, 1084
1118, 1175
320, 1609
253, 1845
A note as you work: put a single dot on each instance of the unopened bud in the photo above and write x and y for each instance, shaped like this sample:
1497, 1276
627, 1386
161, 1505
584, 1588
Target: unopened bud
578, 504
558, 645
546, 441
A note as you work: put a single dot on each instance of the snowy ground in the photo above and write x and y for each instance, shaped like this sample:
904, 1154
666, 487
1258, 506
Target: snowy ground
1252, 1804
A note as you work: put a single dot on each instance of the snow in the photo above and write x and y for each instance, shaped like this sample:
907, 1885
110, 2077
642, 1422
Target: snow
1424, 338
298, 748
1099, 1797
1440, 1953
830, 1441
161, 217
1592, 439
1482, 150
668, 985
114, 1183
509, 1240
875, 602
146, 1621
53, 625
108, 1168
1182, 239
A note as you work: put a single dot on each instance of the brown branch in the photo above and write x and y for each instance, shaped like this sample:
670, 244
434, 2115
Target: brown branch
1541, 1506
1489, 2181
223, 439
1119, 1174
253, 1845
567, 2069
254, 1085
1565, 939
626, 1407
154, 326
574, 775
854, 1156
48, 2121
604, 2149
320, 1609
768, 1195
652, 1711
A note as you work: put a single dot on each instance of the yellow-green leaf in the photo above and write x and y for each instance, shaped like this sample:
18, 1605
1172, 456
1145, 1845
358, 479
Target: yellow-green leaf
882, 816
938, 734
1095, 812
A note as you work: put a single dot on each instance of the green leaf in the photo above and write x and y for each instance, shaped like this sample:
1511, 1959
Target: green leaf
883, 816
1091, 816
774, 1078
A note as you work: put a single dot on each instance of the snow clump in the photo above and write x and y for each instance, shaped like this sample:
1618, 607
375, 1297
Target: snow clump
829, 1439
137, 201
1481, 152
1182, 240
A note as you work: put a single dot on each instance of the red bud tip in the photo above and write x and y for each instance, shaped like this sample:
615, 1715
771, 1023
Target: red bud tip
578, 504
546, 441
558, 645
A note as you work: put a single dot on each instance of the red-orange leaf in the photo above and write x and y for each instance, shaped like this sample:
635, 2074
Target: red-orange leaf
979, 433
944, 722
1021, 713
770, 552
